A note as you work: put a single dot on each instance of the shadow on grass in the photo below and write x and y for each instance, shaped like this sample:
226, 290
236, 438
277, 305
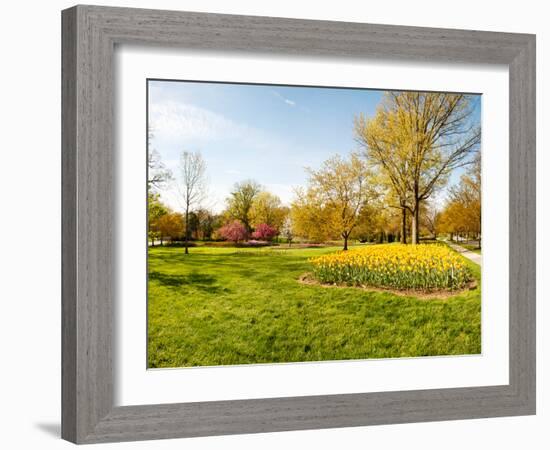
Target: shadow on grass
200, 281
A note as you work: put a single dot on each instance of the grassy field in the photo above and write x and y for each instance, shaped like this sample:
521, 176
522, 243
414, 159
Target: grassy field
472, 248
220, 306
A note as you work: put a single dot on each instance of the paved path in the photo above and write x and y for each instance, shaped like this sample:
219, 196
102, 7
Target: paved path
472, 256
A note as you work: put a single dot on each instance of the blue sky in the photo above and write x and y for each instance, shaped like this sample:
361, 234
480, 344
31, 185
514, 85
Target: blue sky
263, 132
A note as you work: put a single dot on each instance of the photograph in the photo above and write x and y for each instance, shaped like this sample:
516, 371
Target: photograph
261, 225
294, 224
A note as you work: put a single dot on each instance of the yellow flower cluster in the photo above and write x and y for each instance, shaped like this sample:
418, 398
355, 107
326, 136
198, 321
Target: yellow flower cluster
397, 266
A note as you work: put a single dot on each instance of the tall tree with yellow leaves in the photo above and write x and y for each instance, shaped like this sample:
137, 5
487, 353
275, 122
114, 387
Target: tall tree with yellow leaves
417, 139
463, 210
336, 192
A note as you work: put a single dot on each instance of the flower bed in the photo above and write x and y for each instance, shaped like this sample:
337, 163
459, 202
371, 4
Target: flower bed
397, 266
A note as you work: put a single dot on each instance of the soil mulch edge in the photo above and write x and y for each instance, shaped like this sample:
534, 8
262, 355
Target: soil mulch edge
308, 279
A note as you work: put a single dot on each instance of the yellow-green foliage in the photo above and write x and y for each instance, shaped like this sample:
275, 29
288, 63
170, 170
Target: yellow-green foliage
398, 266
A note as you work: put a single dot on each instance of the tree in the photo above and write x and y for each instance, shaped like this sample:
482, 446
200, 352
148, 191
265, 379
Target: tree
310, 218
241, 201
267, 208
417, 139
286, 230
171, 226
462, 213
338, 190
157, 173
431, 217
471, 196
234, 231
207, 223
396, 200
192, 185
452, 219
373, 221
193, 226
264, 232
155, 210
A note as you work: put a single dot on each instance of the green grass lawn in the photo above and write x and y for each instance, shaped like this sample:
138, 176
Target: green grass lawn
472, 248
220, 306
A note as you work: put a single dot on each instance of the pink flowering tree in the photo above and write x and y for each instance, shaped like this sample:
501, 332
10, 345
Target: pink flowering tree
264, 232
234, 231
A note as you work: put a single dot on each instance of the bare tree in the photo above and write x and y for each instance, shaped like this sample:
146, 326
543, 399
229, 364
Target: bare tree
192, 185
157, 173
431, 215
287, 230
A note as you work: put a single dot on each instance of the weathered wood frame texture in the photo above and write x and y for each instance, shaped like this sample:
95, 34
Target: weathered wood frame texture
89, 36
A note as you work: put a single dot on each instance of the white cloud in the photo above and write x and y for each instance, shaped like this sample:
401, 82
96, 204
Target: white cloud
284, 99
174, 120
174, 124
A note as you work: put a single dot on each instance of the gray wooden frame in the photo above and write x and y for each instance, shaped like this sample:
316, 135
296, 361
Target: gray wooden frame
89, 36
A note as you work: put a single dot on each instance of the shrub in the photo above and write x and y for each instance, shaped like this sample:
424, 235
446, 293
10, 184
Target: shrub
180, 244
234, 231
264, 232
395, 266
254, 243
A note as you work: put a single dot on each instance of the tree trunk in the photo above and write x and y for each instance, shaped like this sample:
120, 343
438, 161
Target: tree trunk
187, 229
345, 236
415, 223
404, 226
479, 234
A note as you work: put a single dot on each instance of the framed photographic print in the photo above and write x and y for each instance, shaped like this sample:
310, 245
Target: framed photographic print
279, 224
